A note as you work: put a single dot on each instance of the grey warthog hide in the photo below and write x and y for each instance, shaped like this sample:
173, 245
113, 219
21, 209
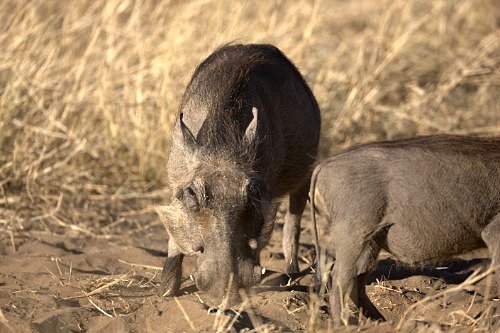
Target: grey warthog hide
422, 200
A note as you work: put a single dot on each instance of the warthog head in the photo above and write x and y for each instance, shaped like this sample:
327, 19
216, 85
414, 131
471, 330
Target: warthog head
220, 210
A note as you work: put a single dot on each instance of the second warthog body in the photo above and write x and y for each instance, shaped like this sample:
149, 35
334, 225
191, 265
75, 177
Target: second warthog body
423, 200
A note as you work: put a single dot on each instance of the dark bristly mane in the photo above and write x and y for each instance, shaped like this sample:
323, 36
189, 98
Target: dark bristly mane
227, 71
222, 81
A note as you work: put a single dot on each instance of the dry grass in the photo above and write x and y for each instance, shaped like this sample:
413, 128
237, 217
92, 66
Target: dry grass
89, 89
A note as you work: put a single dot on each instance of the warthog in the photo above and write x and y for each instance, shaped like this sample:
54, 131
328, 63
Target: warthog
422, 200
247, 135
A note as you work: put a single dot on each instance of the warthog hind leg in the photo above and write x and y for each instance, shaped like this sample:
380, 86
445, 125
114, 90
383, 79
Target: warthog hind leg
365, 265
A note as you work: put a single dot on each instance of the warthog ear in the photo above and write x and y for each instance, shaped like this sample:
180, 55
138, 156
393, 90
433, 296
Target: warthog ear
251, 131
188, 138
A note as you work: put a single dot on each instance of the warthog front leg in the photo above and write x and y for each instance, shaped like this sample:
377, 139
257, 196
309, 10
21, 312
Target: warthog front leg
172, 271
291, 229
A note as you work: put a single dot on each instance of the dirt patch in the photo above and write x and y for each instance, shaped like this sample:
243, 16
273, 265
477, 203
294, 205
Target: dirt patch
52, 283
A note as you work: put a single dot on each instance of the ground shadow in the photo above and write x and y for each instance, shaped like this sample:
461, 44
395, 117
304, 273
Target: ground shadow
271, 281
452, 271
251, 321
155, 253
277, 281
191, 289
61, 246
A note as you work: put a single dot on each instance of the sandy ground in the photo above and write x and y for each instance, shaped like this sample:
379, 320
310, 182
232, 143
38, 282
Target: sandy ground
55, 283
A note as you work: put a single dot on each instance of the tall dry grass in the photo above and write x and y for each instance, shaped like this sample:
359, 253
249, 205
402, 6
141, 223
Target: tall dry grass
89, 89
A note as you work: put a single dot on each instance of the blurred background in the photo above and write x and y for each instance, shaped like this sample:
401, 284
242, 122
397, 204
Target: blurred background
89, 89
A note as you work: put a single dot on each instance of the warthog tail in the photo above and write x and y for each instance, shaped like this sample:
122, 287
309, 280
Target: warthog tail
318, 280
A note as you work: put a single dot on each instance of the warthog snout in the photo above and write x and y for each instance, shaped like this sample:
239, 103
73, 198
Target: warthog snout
205, 279
219, 280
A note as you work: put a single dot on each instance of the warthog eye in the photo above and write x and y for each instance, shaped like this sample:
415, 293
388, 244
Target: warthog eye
255, 190
190, 191
189, 198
